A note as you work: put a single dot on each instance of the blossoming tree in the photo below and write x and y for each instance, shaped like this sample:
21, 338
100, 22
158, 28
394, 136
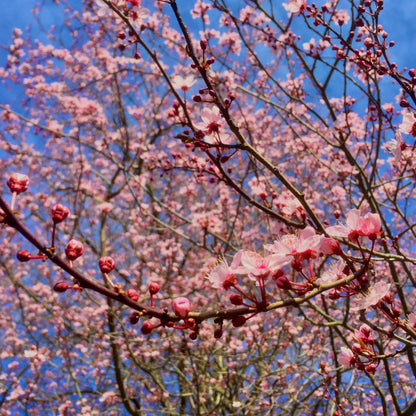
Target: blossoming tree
208, 210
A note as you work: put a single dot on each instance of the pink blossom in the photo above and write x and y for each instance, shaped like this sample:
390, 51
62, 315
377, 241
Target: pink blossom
222, 271
374, 295
181, 307
408, 125
210, 120
259, 265
295, 6
347, 357
183, 83
303, 246
356, 226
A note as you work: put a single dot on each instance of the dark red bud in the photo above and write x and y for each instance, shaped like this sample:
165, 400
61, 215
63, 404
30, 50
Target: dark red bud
61, 287
23, 255
218, 333
204, 44
193, 336
146, 328
134, 318
236, 299
238, 321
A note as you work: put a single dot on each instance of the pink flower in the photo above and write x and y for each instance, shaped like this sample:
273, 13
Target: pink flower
18, 182
408, 125
374, 295
210, 120
356, 226
295, 6
181, 307
347, 358
303, 246
183, 83
223, 272
259, 266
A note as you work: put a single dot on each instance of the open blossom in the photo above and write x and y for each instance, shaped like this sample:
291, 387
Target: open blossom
374, 295
211, 120
295, 6
303, 246
347, 357
408, 125
357, 225
258, 265
183, 83
222, 271
334, 272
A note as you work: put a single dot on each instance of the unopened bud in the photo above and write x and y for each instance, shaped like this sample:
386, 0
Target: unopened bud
132, 294
181, 307
238, 321
204, 44
59, 213
106, 264
146, 328
236, 299
23, 255
154, 288
218, 333
61, 287
74, 249
18, 182
134, 318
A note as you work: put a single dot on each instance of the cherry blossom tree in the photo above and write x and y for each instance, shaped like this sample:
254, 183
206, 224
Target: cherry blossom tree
208, 209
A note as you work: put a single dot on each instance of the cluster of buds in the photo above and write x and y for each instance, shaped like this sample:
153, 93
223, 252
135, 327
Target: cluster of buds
362, 354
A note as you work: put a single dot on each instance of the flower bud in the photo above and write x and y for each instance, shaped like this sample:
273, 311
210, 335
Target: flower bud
193, 336
59, 213
218, 333
282, 282
181, 307
134, 318
238, 321
236, 299
23, 255
61, 287
18, 182
154, 288
203, 44
132, 294
106, 264
146, 328
74, 249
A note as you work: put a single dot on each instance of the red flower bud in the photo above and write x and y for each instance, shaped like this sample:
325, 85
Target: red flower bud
218, 333
106, 264
132, 294
61, 287
181, 307
282, 282
203, 44
146, 328
74, 249
193, 336
23, 255
154, 288
236, 299
59, 213
134, 318
18, 182
238, 321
